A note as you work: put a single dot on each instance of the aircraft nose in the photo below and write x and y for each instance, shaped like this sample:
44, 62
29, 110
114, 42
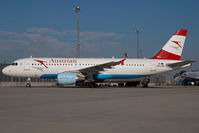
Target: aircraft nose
5, 71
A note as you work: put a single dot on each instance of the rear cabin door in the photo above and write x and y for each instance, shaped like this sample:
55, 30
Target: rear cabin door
153, 67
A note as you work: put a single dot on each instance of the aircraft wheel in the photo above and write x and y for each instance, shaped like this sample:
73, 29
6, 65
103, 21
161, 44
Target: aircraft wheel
121, 84
28, 85
132, 84
145, 85
92, 85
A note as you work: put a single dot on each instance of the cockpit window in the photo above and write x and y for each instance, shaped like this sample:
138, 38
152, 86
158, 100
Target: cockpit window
14, 64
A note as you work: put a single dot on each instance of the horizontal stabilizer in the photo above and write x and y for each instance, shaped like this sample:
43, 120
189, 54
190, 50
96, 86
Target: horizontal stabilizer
181, 64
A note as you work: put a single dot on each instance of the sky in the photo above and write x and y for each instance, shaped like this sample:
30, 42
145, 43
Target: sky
47, 28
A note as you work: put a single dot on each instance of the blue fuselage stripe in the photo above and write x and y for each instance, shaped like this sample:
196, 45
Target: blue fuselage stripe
113, 76
101, 76
50, 76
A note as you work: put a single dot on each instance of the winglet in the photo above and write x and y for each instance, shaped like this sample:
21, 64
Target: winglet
122, 61
126, 55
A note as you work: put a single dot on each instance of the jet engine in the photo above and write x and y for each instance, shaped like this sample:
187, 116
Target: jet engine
69, 78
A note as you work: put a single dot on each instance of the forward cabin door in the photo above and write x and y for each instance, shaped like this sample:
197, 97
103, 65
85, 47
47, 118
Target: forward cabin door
26, 66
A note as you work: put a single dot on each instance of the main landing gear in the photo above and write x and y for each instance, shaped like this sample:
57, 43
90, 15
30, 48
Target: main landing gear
143, 83
93, 85
28, 84
87, 84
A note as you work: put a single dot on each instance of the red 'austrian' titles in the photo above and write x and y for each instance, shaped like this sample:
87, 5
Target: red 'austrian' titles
63, 61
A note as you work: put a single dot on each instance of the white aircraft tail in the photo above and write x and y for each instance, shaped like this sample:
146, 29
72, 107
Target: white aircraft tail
172, 50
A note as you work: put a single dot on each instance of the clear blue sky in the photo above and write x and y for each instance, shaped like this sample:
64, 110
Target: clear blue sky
47, 28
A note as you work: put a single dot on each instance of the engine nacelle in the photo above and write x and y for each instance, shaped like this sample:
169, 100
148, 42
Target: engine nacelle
68, 78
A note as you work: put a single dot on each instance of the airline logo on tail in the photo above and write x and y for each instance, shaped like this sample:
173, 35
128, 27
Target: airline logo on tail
178, 43
172, 50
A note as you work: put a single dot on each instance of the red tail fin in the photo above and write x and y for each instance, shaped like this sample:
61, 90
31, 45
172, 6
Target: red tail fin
172, 50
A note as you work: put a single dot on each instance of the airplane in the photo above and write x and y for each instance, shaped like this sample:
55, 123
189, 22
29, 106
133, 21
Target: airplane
89, 71
189, 78
192, 75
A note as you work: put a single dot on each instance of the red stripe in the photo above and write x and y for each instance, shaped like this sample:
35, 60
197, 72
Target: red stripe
166, 56
181, 32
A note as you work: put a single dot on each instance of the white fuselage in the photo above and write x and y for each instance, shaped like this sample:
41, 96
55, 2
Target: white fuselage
50, 67
167, 59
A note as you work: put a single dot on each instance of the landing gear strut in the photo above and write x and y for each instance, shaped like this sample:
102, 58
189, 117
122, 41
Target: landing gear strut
28, 84
92, 85
144, 83
132, 84
87, 84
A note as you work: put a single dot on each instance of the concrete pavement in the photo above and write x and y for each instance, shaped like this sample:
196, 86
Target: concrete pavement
102, 110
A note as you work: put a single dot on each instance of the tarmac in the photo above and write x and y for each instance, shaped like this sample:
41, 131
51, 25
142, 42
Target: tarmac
99, 110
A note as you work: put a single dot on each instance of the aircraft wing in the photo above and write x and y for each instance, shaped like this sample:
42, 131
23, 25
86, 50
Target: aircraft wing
180, 64
191, 75
96, 69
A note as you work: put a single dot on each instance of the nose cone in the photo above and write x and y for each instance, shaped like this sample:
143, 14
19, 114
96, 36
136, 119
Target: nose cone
5, 71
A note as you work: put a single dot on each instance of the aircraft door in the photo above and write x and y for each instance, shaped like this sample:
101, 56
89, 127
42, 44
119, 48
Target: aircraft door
26, 66
153, 68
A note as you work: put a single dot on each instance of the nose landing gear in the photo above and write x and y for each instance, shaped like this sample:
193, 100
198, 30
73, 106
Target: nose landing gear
28, 84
